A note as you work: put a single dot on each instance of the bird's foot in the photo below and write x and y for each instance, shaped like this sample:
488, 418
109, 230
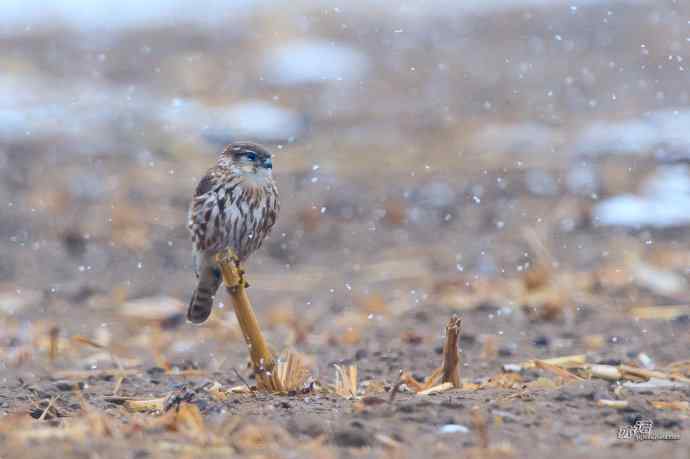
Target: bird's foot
233, 274
227, 258
243, 279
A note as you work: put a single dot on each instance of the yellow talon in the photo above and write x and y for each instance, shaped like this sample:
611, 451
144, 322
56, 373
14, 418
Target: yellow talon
229, 266
233, 274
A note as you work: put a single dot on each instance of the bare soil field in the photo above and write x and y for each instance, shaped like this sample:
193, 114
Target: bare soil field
523, 168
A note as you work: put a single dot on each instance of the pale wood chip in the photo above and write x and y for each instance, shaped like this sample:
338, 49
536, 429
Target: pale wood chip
557, 370
437, 389
617, 404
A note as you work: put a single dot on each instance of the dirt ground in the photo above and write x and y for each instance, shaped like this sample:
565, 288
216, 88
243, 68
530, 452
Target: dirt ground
449, 167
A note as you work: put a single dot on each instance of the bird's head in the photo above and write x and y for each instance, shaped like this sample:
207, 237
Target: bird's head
247, 158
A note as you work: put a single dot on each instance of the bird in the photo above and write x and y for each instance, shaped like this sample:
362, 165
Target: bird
234, 207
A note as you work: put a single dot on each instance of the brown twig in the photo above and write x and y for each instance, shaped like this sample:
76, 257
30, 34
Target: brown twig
244, 381
50, 405
395, 390
447, 376
52, 401
451, 356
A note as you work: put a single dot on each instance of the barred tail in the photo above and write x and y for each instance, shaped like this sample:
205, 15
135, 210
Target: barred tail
201, 303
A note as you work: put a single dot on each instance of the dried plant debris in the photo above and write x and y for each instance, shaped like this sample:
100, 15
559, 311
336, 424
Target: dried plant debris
447, 376
557, 370
235, 284
569, 327
574, 368
346, 381
156, 405
290, 374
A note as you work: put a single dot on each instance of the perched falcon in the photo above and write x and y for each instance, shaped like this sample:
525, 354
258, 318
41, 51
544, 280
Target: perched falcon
234, 207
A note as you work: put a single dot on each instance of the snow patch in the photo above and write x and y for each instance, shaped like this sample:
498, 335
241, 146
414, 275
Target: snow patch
251, 119
663, 203
127, 14
314, 61
453, 428
665, 134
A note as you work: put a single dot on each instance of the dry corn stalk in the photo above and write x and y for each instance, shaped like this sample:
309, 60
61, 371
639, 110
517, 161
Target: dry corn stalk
617, 404
155, 404
557, 370
451, 356
261, 355
289, 373
567, 361
436, 389
447, 376
608, 372
643, 373
346, 381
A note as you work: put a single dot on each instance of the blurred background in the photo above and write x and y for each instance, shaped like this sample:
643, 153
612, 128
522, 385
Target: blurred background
522, 161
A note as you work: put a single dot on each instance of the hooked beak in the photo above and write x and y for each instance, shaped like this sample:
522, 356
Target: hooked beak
268, 163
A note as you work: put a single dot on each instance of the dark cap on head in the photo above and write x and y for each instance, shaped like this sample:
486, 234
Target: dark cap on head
249, 151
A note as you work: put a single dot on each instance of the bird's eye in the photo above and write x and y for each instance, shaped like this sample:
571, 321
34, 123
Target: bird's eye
251, 156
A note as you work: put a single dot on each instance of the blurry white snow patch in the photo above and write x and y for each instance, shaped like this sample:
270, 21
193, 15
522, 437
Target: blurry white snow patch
262, 120
617, 137
105, 15
526, 137
453, 428
661, 282
13, 300
541, 183
582, 179
33, 108
119, 14
179, 116
665, 134
455, 7
436, 195
314, 61
663, 203
255, 119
